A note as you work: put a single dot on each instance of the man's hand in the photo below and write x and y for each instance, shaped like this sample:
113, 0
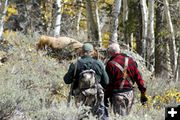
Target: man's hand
144, 99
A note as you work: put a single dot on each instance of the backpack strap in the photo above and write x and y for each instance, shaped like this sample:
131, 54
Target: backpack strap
123, 70
75, 69
119, 66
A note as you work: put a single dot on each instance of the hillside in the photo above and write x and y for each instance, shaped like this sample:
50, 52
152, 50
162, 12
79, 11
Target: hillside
32, 87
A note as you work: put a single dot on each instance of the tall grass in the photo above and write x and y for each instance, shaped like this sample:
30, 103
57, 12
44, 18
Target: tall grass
32, 87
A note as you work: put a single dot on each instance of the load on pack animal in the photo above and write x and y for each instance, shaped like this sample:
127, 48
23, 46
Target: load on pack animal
60, 43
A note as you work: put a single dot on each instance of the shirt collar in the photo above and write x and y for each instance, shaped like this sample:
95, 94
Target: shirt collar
113, 56
116, 54
86, 56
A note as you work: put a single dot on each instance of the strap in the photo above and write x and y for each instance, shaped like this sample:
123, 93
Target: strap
85, 71
76, 64
126, 62
75, 68
122, 69
119, 66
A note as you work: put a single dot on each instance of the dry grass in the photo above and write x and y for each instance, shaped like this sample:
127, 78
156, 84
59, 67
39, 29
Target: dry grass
32, 87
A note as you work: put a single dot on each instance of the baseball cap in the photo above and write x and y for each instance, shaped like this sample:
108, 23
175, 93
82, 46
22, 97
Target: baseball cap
87, 47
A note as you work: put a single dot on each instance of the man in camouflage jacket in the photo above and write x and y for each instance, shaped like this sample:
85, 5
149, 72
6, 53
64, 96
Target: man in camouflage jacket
73, 74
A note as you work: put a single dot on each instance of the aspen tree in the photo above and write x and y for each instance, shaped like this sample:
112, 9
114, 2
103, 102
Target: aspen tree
172, 41
58, 19
3, 18
115, 21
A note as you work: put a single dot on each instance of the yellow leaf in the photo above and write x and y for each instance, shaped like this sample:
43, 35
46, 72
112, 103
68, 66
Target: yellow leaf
11, 11
109, 1
105, 39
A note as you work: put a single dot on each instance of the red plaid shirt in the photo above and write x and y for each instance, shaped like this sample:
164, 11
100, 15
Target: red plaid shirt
116, 75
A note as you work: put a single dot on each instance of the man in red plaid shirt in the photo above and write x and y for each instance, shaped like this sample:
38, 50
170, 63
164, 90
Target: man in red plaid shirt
123, 73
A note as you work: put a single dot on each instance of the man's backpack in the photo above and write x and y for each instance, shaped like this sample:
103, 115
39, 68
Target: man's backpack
87, 79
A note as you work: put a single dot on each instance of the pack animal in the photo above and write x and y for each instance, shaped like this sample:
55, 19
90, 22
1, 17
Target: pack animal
60, 43
57, 43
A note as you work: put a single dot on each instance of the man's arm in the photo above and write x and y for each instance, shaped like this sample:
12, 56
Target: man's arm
140, 82
110, 72
135, 75
68, 78
104, 78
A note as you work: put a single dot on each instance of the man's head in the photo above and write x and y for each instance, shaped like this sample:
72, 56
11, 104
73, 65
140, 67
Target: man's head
87, 48
113, 49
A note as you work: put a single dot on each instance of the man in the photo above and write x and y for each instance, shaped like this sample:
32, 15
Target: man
123, 72
93, 96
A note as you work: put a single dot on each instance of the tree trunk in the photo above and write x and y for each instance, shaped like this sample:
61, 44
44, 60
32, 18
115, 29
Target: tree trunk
177, 71
132, 42
144, 12
0, 6
125, 11
158, 40
125, 19
79, 17
58, 19
172, 41
98, 24
103, 20
89, 17
139, 33
48, 14
150, 36
93, 32
114, 21
161, 46
2, 19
